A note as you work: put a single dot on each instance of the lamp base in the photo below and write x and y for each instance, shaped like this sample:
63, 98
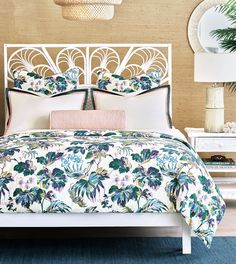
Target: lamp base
214, 120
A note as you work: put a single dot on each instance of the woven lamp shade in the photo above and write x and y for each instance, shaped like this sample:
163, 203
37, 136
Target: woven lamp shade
88, 9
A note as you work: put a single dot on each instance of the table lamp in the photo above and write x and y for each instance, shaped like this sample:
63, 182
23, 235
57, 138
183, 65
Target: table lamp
215, 68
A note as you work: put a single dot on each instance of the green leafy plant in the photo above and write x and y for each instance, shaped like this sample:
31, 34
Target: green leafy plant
227, 36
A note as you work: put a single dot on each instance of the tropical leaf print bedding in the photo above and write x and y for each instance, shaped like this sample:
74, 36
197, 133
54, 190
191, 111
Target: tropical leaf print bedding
107, 171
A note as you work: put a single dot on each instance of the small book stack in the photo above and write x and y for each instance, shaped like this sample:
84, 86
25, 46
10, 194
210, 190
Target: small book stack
226, 163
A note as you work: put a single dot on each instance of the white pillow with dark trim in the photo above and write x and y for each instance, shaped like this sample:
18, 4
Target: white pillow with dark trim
149, 110
29, 110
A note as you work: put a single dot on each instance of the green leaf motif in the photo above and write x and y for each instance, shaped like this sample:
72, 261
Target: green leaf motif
122, 165
152, 177
92, 209
179, 184
100, 147
119, 77
154, 205
145, 155
8, 152
42, 160
50, 158
123, 195
24, 167
89, 187
4, 180
78, 148
136, 157
58, 207
34, 75
89, 155
56, 178
28, 197
206, 184
198, 209
108, 134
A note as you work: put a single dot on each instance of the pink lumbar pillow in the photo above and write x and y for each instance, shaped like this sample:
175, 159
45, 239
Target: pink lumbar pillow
88, 119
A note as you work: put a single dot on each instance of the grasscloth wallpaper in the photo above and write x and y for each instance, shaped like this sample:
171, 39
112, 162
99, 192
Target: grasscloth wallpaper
155, 21
135, 21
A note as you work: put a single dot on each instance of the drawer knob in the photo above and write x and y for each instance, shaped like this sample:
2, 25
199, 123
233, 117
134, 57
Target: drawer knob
221, 145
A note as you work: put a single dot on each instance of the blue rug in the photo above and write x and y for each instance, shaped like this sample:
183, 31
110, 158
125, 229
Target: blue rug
116, 251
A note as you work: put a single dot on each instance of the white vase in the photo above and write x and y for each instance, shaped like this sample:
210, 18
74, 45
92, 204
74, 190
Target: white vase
88, 9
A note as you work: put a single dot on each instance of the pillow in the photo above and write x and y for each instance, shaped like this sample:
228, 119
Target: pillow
89, 119
28, 110
144, 111
116, 83
61, 82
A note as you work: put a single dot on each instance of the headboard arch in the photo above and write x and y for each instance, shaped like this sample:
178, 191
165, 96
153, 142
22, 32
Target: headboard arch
103, 58
136, 58
123, 59
71, 57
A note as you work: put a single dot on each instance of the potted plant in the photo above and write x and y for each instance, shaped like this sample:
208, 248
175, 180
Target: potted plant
227, 36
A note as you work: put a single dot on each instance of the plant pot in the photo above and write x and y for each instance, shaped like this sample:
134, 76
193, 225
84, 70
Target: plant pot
88, 9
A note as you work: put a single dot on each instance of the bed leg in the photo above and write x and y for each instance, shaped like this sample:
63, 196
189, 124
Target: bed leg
186, 239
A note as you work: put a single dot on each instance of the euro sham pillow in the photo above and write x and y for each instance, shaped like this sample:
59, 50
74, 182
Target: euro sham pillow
57, 83
28, 111
88, 119
149, 110
117, 83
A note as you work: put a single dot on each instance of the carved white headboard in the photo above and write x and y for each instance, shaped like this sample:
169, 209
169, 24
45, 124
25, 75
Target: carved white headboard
124, 59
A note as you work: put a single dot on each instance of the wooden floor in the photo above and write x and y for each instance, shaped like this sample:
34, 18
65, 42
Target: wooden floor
228, 225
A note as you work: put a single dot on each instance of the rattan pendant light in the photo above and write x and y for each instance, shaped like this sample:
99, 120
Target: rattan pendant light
88, 9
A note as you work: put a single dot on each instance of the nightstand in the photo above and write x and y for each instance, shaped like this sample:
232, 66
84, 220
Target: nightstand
216, 142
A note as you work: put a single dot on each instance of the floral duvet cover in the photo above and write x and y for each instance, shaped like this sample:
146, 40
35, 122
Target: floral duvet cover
107, 171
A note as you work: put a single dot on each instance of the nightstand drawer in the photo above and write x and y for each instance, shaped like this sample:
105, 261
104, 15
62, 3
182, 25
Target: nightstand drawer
215, 144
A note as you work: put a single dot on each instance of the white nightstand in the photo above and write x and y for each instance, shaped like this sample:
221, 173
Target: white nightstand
216, 142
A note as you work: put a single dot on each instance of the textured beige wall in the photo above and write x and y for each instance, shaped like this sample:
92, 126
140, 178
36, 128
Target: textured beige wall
162, 21
156, 21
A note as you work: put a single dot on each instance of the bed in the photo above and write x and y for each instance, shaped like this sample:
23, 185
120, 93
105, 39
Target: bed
102, 178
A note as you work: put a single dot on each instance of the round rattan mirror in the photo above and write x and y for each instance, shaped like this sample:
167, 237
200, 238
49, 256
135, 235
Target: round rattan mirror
203, 20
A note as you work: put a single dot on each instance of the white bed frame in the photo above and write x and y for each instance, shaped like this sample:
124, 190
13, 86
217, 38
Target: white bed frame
127, 59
